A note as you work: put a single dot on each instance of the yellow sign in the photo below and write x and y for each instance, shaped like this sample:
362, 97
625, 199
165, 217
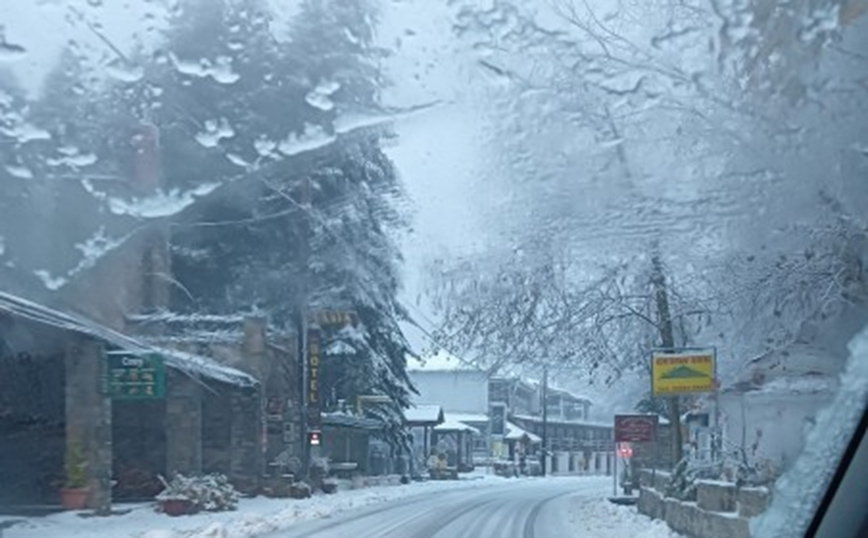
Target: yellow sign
335, 317
683, 372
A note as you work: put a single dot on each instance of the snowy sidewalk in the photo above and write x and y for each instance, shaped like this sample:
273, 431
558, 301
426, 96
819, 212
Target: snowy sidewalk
254, 516
596, 517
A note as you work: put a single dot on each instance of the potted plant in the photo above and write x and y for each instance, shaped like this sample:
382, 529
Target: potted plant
74, 493
330, 485
173, 500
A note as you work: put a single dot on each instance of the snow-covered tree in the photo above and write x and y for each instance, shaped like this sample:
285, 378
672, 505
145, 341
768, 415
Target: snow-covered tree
611, 134
311, 225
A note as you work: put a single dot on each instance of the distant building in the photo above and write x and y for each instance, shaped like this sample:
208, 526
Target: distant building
505, 414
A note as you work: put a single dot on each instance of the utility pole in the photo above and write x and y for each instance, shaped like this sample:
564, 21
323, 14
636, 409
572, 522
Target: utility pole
303, 326
667, 338
545, 419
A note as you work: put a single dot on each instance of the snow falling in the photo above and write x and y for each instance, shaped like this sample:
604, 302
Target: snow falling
297, 224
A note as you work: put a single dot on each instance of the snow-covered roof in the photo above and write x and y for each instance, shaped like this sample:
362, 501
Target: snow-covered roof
451, 424
166, 316
422, 414
552, 420
346, 420
514, 433
185, 362
469, 418
565, 393
455, 426
438, 362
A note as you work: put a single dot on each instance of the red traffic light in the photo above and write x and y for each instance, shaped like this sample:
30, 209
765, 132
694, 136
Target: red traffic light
625, 451
314, 438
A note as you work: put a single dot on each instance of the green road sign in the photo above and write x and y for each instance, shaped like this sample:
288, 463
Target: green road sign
132, 376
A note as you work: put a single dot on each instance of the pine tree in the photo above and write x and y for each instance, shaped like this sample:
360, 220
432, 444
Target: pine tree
337, 204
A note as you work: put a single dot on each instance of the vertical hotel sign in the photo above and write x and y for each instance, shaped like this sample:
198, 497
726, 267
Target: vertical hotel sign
682, 371
314, 405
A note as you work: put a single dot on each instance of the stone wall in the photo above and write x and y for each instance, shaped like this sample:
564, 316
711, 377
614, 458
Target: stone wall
89, 418
246, 463
721, 509
183, 424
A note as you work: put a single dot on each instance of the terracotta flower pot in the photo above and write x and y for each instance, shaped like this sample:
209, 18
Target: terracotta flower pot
177, 507
73, 498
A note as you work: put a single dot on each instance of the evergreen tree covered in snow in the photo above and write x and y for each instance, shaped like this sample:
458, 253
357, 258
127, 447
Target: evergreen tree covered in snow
306, 217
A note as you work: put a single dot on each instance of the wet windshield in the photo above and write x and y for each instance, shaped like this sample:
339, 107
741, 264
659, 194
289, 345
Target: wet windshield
416, 268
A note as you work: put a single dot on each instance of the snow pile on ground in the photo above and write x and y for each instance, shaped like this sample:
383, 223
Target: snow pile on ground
598, 518
253, 517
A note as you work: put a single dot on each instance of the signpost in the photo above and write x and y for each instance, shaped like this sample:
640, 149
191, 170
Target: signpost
632, 429
336, 317
135, 376
682, 371
635, 428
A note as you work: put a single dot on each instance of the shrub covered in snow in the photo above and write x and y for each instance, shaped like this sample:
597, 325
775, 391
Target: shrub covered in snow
299, 490
212, 492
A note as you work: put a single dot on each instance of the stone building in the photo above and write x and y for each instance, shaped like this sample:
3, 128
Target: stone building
59, 393
250, 344
101, 249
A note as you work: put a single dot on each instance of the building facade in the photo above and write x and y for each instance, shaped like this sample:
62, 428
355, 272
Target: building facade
498, 407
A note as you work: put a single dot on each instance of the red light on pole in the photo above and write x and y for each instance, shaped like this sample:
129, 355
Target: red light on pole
315, 438
625, 451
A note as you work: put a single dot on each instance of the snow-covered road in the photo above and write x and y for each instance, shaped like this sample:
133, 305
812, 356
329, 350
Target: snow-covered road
547, 508
480, 507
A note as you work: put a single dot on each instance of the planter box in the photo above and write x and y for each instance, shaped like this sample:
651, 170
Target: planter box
299, 491
716, 496
74, 498
276, 486
752, 501
177, 507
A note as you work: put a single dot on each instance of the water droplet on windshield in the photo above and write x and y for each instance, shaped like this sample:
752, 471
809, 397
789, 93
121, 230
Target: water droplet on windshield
10, 52
21, 172
120, 70
313, 137
320, 97
220, 70
264, 146
214, 132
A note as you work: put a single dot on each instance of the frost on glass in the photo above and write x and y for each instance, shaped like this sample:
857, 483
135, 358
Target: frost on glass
799, 491
695, 133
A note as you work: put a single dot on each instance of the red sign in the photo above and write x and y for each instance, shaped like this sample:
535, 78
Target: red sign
635, 428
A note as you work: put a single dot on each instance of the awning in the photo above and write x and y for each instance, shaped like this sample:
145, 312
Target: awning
424, 415
345, 420
452, 425
185, 362
514, 433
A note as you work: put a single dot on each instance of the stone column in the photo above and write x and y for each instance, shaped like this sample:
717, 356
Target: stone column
89, 417
183, 424
246, 460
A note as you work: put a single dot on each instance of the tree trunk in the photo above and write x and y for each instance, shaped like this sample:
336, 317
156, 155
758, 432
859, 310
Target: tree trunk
667, 338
